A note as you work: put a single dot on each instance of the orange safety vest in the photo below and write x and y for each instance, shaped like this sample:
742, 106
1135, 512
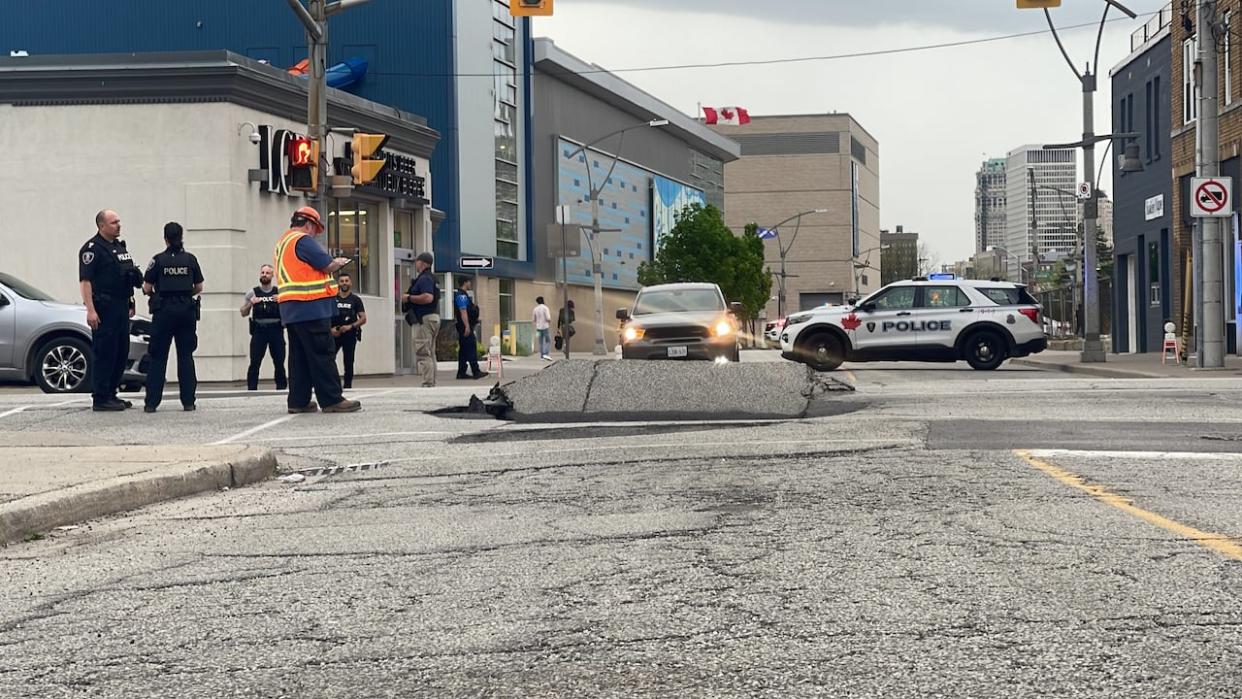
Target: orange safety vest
297, 280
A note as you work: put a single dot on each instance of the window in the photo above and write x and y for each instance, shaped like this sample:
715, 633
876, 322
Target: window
505, 98
354, 233
1009, 296
1190, 108
895, 299
507, 306
1228, 41
944, 297
1155, 118
1148, 111
1153, 263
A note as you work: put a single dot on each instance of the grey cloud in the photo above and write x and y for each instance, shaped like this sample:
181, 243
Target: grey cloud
966, 15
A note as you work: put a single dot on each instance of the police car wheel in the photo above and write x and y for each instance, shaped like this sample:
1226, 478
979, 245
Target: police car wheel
63, 365
985, 350
823, 352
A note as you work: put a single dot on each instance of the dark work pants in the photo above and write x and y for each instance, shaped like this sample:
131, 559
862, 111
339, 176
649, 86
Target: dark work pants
312, 364
173, 322
348, 343
264, 340
467, 353
110, 347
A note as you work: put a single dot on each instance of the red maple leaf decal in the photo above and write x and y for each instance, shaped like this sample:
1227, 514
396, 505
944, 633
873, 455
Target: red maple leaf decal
851, 322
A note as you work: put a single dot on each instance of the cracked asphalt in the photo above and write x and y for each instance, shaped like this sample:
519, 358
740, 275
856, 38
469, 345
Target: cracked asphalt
909, 548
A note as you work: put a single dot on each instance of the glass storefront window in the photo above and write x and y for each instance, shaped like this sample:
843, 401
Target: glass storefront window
354, 232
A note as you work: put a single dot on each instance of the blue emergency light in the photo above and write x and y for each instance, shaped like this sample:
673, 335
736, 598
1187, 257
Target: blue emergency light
941, 277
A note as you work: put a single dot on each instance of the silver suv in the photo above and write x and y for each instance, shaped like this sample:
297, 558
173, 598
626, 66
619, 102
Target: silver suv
49, 343
929, 320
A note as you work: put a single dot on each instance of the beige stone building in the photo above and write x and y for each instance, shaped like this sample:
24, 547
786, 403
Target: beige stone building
803, 163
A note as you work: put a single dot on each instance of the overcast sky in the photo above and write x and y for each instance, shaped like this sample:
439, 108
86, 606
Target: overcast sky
937, 114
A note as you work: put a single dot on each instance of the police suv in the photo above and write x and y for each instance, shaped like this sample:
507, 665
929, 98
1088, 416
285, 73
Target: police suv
928, 320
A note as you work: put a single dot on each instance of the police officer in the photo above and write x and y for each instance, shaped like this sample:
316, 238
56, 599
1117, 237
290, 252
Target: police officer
465, 318
172, 281
108, 277
347, 324
266, 333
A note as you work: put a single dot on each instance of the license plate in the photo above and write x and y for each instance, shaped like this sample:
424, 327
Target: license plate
677, 352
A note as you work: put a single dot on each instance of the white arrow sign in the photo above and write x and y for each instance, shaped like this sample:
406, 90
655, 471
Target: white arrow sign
476, 262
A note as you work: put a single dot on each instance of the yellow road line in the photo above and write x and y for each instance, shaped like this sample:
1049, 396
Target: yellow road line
1216, 542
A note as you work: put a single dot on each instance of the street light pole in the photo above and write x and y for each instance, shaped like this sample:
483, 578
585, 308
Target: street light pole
1092, 348
1211, 335
597, 260
783, 250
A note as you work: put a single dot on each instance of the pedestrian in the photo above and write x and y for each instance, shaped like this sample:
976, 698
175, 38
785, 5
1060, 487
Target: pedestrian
565, 324
173, 280
542, 318
266, 334
466, 317
107, 278
347, 324
307, 300
423, 300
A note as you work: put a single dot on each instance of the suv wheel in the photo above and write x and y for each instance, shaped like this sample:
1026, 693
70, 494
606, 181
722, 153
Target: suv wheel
63, 365
985, 350
823, 351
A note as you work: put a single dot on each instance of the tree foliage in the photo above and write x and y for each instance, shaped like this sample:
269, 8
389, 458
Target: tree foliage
701, 248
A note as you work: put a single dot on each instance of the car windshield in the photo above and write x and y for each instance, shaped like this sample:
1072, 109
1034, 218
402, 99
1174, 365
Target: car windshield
678, 300
23, 289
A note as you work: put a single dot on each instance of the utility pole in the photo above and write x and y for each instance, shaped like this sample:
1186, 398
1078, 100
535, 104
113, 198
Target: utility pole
315, 20
1211, 317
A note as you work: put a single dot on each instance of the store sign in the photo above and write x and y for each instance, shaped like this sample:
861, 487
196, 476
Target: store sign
399, 178
1153, 208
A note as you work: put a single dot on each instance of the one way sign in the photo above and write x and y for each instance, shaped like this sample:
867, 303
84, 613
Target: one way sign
1210, 197
476, 262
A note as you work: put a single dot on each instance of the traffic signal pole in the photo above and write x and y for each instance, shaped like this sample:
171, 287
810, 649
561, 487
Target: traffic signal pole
1211, 335
315, 20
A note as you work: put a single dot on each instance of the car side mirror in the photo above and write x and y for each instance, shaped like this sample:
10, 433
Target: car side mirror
623, 314
867, 308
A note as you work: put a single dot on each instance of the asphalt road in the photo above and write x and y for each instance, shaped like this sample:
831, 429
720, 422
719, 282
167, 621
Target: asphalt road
963, 534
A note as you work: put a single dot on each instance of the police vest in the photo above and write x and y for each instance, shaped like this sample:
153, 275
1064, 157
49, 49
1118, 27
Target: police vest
297, 280
265, 306
174, 273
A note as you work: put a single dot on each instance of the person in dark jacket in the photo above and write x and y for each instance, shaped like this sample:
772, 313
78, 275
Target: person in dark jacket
466, 317
173, 280
108, 277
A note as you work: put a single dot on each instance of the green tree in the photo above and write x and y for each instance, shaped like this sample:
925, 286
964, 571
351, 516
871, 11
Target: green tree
701, 248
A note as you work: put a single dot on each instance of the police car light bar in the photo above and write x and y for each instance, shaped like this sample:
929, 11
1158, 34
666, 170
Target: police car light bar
941, 277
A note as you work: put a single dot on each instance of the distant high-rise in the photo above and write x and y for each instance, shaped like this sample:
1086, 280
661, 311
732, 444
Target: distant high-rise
899, 256
990, 205
1040, 205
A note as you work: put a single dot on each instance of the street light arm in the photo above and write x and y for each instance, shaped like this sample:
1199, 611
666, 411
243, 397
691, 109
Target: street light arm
1099, 37
1055, 35
620, 147
605, 137
339, 5
797, 228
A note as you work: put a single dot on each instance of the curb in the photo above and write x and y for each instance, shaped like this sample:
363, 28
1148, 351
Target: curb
40, 513
1102, 372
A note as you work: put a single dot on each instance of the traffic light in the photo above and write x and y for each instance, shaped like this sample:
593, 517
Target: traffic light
303, 164
530, 8
1038, 4
368, 161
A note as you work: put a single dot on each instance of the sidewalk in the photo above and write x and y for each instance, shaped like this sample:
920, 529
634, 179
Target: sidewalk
44, 485
1127, 366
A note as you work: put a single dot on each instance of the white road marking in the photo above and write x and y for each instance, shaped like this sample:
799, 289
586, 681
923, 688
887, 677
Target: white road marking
1151, 455
14, 411
254, 430
348, 437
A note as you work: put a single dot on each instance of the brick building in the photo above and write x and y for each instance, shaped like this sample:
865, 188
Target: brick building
794, 164
1185, 35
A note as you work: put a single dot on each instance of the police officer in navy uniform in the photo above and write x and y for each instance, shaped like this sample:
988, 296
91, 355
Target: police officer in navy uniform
347, 324
108, 277
172, 281
266, 333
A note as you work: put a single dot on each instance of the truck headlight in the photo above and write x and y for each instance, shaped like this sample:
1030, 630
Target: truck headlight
633, 333
724, 328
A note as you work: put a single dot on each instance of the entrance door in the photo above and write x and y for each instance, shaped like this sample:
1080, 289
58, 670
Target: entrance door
403, 334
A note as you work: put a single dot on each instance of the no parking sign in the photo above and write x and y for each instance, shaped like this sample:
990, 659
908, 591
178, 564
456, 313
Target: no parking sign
1210, 197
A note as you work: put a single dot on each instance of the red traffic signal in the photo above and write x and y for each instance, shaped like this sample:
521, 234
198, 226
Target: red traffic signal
301, 152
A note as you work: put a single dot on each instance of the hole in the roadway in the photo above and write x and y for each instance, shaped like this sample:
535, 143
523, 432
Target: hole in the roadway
593, 432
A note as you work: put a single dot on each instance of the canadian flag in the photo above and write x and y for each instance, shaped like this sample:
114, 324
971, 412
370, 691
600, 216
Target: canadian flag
728, 116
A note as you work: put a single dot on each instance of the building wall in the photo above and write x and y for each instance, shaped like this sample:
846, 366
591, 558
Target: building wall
990, 192
1054, 200
901, 258
791, 164
94, 158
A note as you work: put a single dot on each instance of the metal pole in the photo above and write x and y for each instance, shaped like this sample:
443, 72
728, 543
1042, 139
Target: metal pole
1092, 347
1033, 240
597, 269
780, 301
565, 284
1211, 295
317, 107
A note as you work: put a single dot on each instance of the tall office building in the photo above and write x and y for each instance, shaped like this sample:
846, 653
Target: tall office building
990, 204
1040, 206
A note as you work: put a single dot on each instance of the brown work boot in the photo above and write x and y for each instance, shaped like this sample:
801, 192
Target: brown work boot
345, 406
311, 407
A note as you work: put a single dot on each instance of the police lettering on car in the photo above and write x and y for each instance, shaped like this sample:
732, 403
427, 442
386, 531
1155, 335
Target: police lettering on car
108, 277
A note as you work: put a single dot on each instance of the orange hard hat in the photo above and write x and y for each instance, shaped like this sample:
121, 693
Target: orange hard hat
309, 214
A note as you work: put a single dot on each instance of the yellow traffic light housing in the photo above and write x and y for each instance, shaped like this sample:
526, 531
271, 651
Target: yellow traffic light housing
1038, 4
530, 8
367, 164
303, 158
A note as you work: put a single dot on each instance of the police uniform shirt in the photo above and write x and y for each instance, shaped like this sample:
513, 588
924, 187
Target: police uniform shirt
265, 310
108, 267
174, 274
347, 310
